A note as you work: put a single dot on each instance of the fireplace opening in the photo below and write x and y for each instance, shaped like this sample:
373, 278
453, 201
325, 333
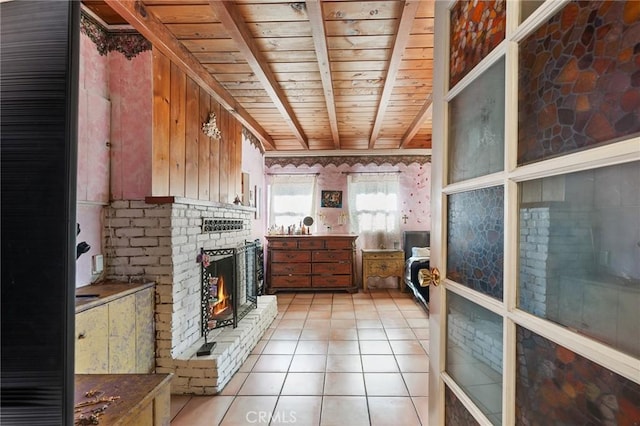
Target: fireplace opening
231, 282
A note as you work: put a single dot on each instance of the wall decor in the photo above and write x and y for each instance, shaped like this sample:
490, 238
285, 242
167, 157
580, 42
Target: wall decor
332, 199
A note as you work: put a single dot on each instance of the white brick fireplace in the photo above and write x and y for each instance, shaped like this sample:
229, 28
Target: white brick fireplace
159, 240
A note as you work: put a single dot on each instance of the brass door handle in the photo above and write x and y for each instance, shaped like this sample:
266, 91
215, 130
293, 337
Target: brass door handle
428, 277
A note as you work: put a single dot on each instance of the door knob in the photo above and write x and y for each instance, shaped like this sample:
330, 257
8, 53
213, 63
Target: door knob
428, 277
435, 276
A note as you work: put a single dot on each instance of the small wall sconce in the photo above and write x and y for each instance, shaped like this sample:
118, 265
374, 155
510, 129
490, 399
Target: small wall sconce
210, 128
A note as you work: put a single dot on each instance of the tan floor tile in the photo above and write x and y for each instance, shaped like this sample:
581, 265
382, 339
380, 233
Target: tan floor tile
262, 384
324, 315
415, 313
368, 323
301, 302
312, 347
367, 314
203, 411
320, 307
344, 410
417, 383
407, 347
316, 324
293, 323
272, 363
421, 405
301, 314
344, 363
267, 334
371, 334
344, 384
343, 323
342, 308
303, 296
343, 347
245, 410
248, 364
285, 334
391, 323
379, 364
299, 308
308, 363
385, 411
375, 347
280, 347
298, 411
177, 403
234, 385
343, 334
385, 384
303, 384
343, 315
413, 363
314, 334
421, 333
418, 322
259, 347
400, 334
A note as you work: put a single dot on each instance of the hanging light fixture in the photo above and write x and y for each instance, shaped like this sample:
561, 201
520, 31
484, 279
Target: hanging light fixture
210, 128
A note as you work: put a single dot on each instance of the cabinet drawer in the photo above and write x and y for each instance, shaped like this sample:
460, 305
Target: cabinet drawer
388, 256
290, 256
331, 281
384, 268
291, 281
283, 243
92, 341
311, 244
332, 268
331, 256
290, 268
339, 244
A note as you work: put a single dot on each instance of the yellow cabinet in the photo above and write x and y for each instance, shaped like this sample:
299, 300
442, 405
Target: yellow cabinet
92, 340
115, 334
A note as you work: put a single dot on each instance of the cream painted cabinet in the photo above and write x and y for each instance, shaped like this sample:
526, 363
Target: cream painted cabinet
116, 333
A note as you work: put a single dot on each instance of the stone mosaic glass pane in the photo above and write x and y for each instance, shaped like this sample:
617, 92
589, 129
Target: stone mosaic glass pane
455, 413
580, 252
476, 127
579, 80
555, 386
477, 27
527, 7
475, 240
474, 353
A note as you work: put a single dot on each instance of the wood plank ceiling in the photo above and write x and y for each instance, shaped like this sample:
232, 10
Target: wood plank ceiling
313, 75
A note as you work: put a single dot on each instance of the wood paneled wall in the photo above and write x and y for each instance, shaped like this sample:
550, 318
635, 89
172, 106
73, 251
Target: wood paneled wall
186, 162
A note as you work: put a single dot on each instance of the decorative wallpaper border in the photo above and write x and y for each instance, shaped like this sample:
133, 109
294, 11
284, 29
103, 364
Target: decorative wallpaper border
348, 160
251, 138
129, 43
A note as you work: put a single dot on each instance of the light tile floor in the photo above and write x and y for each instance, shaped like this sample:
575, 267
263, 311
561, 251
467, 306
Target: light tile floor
327, 359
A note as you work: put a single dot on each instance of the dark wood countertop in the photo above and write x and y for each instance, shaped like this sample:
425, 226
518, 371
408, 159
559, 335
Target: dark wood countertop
93, 295
135, 391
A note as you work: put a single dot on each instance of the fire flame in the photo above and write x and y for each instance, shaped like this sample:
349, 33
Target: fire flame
223, 298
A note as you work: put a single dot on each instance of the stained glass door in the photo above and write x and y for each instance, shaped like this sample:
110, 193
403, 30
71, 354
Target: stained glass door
536, 213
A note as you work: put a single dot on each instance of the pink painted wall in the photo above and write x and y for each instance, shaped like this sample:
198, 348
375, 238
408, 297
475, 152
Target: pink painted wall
114, 140
415, 192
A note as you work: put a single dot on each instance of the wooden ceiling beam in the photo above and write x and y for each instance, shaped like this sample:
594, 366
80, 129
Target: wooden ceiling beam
409, 10
161, 38
416, 123
314, 11
230, 17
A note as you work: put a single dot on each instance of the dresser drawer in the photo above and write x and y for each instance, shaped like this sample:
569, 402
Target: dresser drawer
311, 244
331, 281
331, 268
284, 243
331, 256
290, 268
290, 281
290, 256
339, 244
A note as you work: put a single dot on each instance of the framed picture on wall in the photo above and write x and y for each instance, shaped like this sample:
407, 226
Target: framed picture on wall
332, 199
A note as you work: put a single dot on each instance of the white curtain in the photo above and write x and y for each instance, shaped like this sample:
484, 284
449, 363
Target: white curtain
291, 198
374, 213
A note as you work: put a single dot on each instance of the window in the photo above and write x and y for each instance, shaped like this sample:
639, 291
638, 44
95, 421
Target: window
373, 208
291, 198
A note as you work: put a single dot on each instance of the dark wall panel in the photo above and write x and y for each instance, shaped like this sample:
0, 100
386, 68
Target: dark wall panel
39, 83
